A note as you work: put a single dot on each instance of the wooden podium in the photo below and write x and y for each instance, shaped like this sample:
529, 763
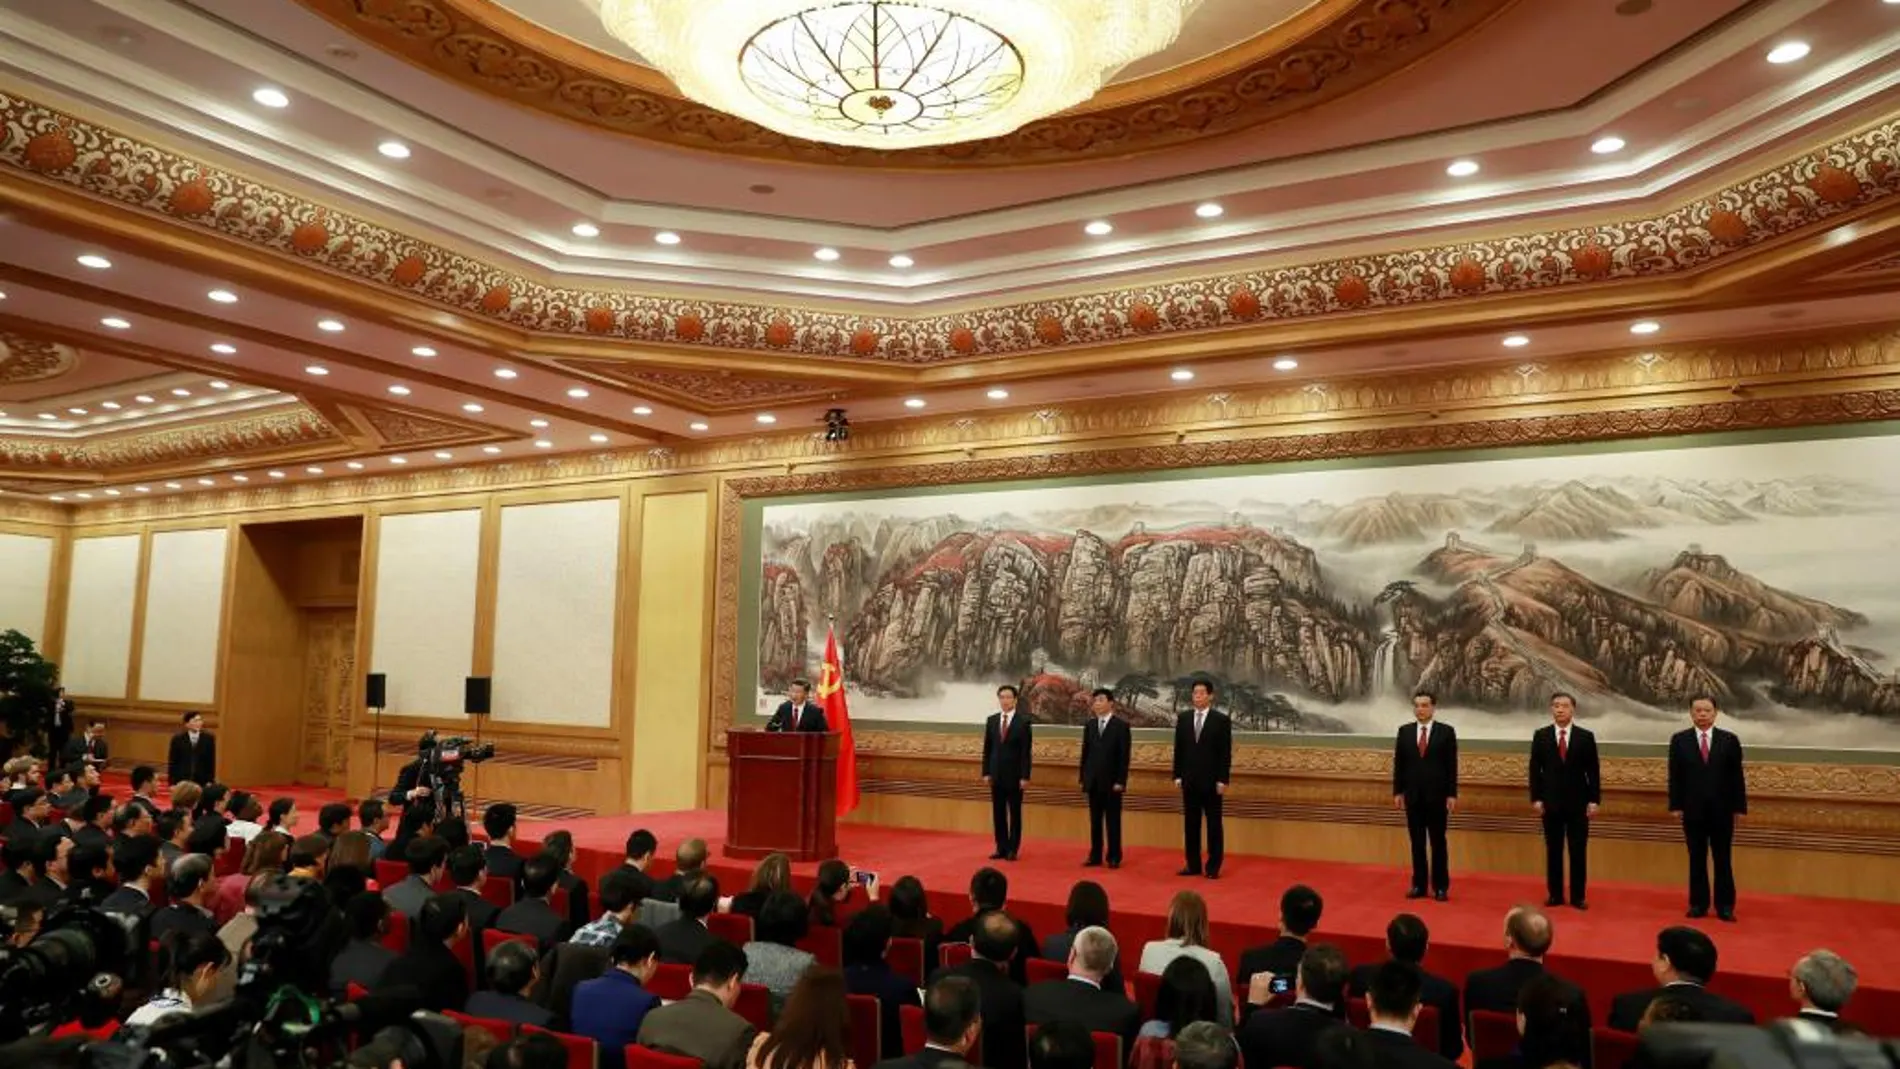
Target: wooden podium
782, 794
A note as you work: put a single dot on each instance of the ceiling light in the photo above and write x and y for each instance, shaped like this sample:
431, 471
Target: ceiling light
901, 261
472, 407
443, 454
94, 261
893, 75
144, 398
224, 349
998, 394
543, 443
423, 351
1210, 210
77, 411
826, 254
395, 150
240, 478
1181, 374
577, 392
275, 474
1462, 168
180, 391
271, 98
354, 465
112, 493
1789, 52
1516, 341
115, 323
506, 373
316, 369
399, 460
83, 496
1603, 146
491, 449
766, 417
537, 423
180, 486
696, 425
1100, 228
330, 326
48, 415
223, 296
667, 237
1646, 326
399, 390
1285, 363
110, 406
141, 489
218, 384
207, 482
642, 410
56, 497
913, 402
597, 439
586, 230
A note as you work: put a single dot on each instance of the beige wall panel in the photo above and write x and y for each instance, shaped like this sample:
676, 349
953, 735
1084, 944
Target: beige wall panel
26, 575
184, 602
670, 694
98, 642
554, 613
424, 632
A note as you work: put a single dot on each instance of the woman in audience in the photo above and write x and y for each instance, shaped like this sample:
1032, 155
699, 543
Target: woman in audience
185, 798
867, 937
282, 818
911, 919
1187, 937
813, 1031
349, 871
1186, 996
1553, 1031
773, 875
188, 965
1088, 908
246, 811
772, 957
560, 846
833, 889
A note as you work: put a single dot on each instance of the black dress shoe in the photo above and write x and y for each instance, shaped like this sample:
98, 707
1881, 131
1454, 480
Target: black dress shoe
1092, 863
1579, 904
1189, 871
1114, 864
1441, 896
1415, 892
1725, 915
1696, 913
1213, 874
1553, 900
1011, 857
998, 856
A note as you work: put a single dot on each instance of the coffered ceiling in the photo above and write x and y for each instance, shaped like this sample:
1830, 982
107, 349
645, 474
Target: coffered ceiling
429, 256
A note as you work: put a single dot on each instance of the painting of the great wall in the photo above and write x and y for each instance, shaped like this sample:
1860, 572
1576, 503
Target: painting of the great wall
1319, 600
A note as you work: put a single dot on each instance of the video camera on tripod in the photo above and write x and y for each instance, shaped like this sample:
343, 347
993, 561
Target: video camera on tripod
440, 763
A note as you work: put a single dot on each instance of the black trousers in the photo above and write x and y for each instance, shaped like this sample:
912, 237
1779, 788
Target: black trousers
1423, 821
1198, 803
1006, 815
1570, 829
1714, 834
1105, 819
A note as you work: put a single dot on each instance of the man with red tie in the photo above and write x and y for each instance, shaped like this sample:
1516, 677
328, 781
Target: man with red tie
1425, 785
1565, 790
1007, 742
1709, 789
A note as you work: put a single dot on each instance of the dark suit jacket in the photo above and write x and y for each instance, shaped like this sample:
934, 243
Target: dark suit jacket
503, 861
1199, 764
809, 718
1105, 755
1568, 785
78, 749
891, 991
130, 902
1006, 761
179, 917
362, 961
699, 1026
1087, 1005
535, 917
1440, 994
1390, 1050
1699, 791
1003, 1020
514, 1009
198, 764
931, 1058
668, 890
1285, 1037
1430, 779
1026, 945
1280, 957
432, 970
1497, 989
481, 913
579, 899
682, 940
1832, 1024
15, 887
1626, 1012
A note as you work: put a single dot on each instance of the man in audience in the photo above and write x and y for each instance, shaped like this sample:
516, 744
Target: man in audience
427, 859
866, 938
1288, 1036
989, 893
641, 846
468, 869
429, 967
1079, 999
682, 939
1062, 1045
618, 908
533, 914
188, 888
1528, 934
1300, 909
63, 791
89, 823
333, 820
88, 749
22, 857
372, 817
240, 815
172, 829
308, 857
453, 831
610, 1009
1392, 1000
364, 958
136, 861
131, 822
689, 859
512, 969
1822, 982
994, 944
52, 853
32, 809
1406, 939
1205, 1045
703, 1025
87, 868
499, 822
952, 1022
1685, 960
144, 782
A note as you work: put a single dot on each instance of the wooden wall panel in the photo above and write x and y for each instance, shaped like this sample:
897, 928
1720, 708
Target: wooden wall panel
263, 666
26, 583
669, 719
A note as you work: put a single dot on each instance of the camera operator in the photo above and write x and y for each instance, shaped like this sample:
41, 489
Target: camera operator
188, 967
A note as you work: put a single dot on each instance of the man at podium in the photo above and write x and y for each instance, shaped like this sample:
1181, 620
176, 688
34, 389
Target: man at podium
799, 713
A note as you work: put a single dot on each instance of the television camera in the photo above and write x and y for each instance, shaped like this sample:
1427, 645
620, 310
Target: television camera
439, 764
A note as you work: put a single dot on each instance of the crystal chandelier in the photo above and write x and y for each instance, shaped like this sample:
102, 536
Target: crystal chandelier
893, 74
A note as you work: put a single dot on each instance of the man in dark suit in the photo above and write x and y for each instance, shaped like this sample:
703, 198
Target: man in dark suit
89, 748
430, 966
187, 888
532, 914
499, 821
1079, 999
952, 1022
1708, 788
22, 856
512, 969
1106, 748
1823, 982
1290, 1036
798, 713
1300, 910
194, 753
682, 941
1685, 960
1406, 939
32, 808
1425, 785
989, 893
59, 724
689, 860
468, 871
144, 782
363, 958
702, 1025
1203, 764
1528, 934
1393, 1002
1007, 741
427, 860
994, 945
1566, 786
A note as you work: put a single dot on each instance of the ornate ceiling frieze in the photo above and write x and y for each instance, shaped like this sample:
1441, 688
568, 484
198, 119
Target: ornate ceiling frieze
402, 428
238, 436
1852, 173
474, 44
24, 359
705, 391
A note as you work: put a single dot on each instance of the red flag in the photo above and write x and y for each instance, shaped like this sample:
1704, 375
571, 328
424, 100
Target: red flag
838, 719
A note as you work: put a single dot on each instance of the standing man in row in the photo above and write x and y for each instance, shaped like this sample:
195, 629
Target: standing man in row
1566, 787
1203, 764
799, 712
1425, 785
1007, 741
1708, 788
89, 749
1106, 749
194, 753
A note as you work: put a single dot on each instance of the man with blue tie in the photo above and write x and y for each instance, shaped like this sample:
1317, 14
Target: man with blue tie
1007, 741
799, 713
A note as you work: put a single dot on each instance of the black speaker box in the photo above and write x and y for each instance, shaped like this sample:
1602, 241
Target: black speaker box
374, 696
475, 696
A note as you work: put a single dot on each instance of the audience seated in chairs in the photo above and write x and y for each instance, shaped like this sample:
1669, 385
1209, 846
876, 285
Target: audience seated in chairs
832, 889
989, 893
427, 858
618, 909
1087, 908
773, 959
559, 845
136, 861
867, 937
1822, 982
1187, 995
684, 939
640, 848
1205, 1045
772, 875
1553, 1028
499, 822
529, 1050
1289, 1036
364, 957
1062, 1044
1393, 998
1685, 960
812, 1030
1188, 938
1080, 998
911, 918
430, 965
468, 870
534, 914
187, 968
1528, 935
512, 970
172, 829
994, 944
188, 888
610, 1008
689, 860
372, 819
1406, 939
333, 820
953, 1021
703, 1025
1300, 911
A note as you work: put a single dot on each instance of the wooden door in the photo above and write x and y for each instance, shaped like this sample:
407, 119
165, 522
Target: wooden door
329, 695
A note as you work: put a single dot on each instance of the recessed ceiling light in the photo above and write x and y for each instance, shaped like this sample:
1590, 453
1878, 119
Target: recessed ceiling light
180, 486
826, 254
115, 323
112, 493
1181, 374
224, 349
218, 384
399, 390
901, 261
1646, 326
180, 391
1603, 146
240, 478
271, 98
56, 497
395, 150
275, 474
472, 407
223, 296
330, 326
667, 237
577, 392
77, 411
586, 230
423, 351
83, 496
48, 415
207, 482
697, 426
543, 443
443, 454
1285, 363
766, 417
1100, 228
110, 406
1789, 52
354, 465
1210, 210
1516, 341
399, 460
141, 489
913, 402
491, 449
316, 369
537, 423
642, 410
597, 439
1462, 168
506, 373
144, 398
94, 261
998, 394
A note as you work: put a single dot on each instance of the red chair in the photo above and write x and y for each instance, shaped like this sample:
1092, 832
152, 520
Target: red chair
1611, 1049
1040, 969
1425, 1029
494, 937
951, 955
671, 982
353, 991
464, 951
503, 1031
639, 1057
230, 859
911, 1020
498, 891
867, 1029
734, 928
1493, 1034
1147, 993
906, 959
558, 899
825, 944
1108, 1050
397, 937
755, 1005
580, 1050
388, 873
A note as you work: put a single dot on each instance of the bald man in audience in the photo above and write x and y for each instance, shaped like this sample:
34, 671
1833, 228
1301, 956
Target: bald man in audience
1528, 934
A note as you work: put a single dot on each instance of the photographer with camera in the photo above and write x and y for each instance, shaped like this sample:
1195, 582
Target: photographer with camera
433, 781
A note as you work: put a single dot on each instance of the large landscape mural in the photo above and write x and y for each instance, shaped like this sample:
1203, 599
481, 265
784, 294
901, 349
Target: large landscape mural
1763, 573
